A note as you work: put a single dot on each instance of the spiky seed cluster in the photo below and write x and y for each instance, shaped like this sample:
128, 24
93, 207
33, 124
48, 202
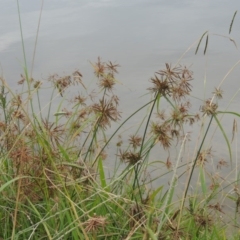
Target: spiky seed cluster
216, 207
107, 111
203, 220
222, 163
173, 82
162, 134
209, 108
106, 74
130, 157
62, 83
203, 156
135, 141
17, 101
80, 100
93, 224
180, 115
17, 114
218, 92
37, 84
54, 132
161, 86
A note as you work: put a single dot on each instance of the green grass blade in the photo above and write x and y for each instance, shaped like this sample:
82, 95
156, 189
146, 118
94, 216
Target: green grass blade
11, 181
41, 219
101, 173
64, 153
206, 44
203, 182
234, 113
151, 233
230, 28
158, 102
225, 137
23, 47
200, 41
155, 192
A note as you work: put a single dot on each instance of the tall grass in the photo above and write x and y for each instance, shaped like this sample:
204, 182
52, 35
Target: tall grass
54, 182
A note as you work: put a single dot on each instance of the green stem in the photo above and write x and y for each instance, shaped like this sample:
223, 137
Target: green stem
137, 168
90, 145
25, 59
195, 161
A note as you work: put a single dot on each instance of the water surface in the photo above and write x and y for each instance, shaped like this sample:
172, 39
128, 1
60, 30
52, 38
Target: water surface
140, 35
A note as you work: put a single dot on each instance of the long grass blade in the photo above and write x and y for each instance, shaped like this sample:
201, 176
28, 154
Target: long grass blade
206, 44
35, 44
171, 190
11, 181
195, 160
151, 233
234, 113
230, 28
203, 181
225, 137
234, 129
41, 219
200, 41
102, 174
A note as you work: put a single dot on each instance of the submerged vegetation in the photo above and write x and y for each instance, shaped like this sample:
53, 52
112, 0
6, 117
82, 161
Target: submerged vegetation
72, 172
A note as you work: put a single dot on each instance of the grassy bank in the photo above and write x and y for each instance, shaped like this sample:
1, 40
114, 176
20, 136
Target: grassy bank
55, 182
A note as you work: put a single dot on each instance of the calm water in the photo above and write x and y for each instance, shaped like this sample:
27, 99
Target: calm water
140, 35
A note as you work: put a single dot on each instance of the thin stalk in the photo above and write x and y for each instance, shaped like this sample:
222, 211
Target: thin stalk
147, 124
39, 103
17, 200
90, 145
85, 141
195, 161
35, 45
50, 104
24, 57
136, 170
171, 188
23, 47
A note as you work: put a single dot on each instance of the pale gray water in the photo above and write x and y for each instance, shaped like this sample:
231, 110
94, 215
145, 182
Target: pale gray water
140, 35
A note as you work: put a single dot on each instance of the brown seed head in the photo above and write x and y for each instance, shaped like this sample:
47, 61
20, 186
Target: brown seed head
135, 141
107, 111
209, 108
93, 224
160, 86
